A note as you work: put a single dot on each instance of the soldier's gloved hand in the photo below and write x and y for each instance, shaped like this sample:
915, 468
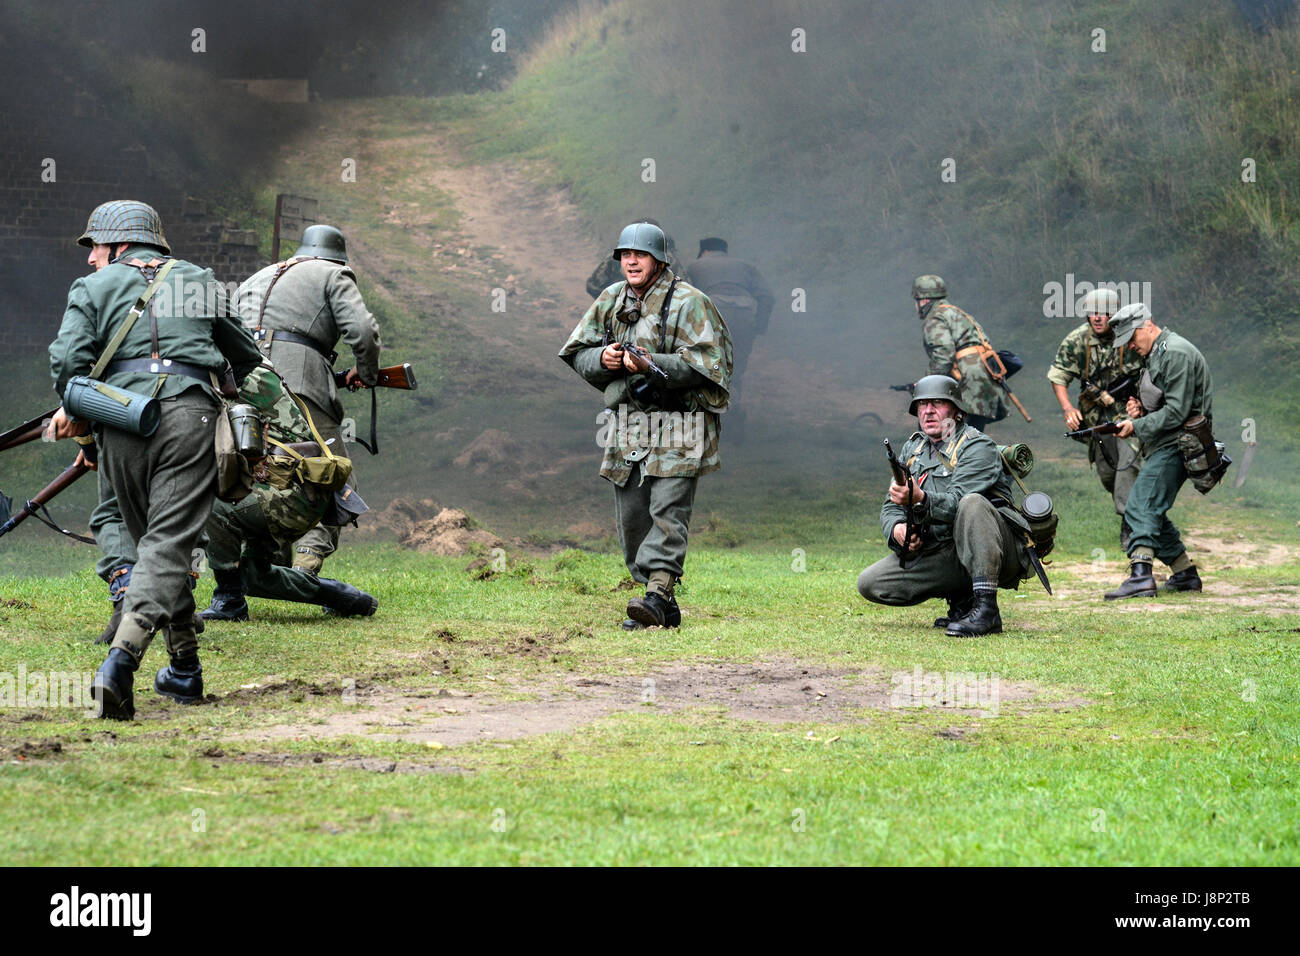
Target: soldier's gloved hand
1072, 418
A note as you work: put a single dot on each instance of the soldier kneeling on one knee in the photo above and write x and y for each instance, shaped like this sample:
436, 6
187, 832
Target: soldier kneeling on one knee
967, 539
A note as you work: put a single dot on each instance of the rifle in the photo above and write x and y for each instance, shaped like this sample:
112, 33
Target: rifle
37, 504
1120, 390
909, 516
27, 431
642, 361
392, 376
999, 375
1096, 431
910, 387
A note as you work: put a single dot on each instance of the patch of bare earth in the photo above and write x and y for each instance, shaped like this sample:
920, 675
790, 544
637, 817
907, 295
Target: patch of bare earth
777, 692
1212, 553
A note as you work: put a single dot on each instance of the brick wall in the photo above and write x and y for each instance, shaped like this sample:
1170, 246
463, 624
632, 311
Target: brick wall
40, 221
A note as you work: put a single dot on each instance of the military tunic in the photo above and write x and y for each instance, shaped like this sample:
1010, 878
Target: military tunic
317, 299
654, 455
741, 295
967, 537
164, 484
1084, 354
1176, 386
947, 330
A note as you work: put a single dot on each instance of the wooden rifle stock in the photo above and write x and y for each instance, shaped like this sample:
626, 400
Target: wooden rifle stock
65, 478
27, 431
391, 376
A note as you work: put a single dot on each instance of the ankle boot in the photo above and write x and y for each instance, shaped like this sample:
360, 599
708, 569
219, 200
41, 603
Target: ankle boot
112, 690
338, 597
654, 610
181, 680
1184, 580
984, 617
1140, 583
228, 602
958, 607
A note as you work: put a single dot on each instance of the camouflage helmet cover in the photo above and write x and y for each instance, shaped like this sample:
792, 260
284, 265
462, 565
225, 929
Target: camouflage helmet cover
643, 237
124, 220
929, 287
323, 242
937, 386
1100, 301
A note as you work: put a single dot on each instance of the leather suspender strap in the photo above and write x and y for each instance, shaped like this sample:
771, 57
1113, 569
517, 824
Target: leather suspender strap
663, 319
280, 270
137, 310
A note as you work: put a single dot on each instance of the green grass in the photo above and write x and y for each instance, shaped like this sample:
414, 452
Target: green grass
1174, 730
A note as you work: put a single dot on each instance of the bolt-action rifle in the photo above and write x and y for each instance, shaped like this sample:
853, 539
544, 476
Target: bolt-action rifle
27, 431
912, 523
37, 504
1109, 428
641, 360
910, 387
1120, 390
392, 376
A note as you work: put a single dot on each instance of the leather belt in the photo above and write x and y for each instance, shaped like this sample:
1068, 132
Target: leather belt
159, 366
279, 335
969, 350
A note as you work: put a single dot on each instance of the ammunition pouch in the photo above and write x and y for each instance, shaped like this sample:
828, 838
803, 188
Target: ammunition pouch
325, 470
1203, 457
1037, 509
91, 400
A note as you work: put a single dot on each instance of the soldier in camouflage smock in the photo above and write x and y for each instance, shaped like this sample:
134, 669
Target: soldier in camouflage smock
1087, 355
953, 341
248, 541
662, 431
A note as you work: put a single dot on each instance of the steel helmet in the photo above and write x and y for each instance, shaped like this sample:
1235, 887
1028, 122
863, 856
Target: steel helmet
124, 220
643, 237
1101, 301
323, 242
937, 386
929, 287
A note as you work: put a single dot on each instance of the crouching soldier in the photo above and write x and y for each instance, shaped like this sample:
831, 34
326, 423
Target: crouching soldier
967, 538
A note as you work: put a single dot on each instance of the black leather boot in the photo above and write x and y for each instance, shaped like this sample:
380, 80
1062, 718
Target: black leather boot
958, 607
984, 617
338, 597
1140, 583
112, 688
654, 610
181, 680
228, 602
1184, 580
111, 629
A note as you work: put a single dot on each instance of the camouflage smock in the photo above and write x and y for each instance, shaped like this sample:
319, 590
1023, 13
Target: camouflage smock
1085, 354
947, 330
290, 506
696, 341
